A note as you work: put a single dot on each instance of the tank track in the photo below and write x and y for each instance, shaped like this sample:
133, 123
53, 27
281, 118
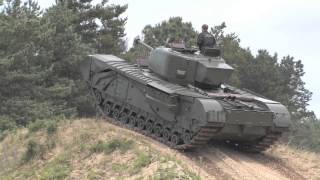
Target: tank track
175, 140
262, 144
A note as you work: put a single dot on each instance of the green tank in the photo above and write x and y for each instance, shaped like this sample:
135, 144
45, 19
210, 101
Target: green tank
182, 100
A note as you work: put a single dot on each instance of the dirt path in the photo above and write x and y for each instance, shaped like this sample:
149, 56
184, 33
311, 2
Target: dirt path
224, 163
220, 162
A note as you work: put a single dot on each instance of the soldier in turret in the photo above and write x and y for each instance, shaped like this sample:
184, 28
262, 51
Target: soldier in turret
205, 39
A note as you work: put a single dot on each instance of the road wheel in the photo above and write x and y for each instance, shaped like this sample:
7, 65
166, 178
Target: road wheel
175, 139
158, 130
132, 120
124, 118
149, 127
107, 109
116, 114
166, 134
141, 123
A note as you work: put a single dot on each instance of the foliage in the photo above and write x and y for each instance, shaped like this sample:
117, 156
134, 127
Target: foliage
59, 168
33, 150
141, 161
172, 30
306, 135
114, 144
40, 52
52, 127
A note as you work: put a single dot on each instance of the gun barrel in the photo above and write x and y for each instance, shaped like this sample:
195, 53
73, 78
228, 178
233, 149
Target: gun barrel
138, 41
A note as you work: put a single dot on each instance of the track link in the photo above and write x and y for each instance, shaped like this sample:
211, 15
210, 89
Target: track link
198, 139
263, 144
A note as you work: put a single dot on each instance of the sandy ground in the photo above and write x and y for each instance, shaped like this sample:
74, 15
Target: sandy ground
216, 161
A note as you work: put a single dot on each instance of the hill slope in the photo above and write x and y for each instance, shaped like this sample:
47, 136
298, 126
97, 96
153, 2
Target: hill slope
95, 149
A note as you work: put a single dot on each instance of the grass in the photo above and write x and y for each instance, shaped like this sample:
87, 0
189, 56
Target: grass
119, 168
95, 175
169, 171
141, 161
33, 150
57, 169
50, 126
112, 145
74, 152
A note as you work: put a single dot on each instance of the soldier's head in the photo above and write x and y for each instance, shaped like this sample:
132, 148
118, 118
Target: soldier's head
204, 28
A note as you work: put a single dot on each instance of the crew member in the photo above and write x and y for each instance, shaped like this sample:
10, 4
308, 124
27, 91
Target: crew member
205, 39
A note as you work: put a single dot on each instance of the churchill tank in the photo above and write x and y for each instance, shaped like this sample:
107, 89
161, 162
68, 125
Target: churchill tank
181, 99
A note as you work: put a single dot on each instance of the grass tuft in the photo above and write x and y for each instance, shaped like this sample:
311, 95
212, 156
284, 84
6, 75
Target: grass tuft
114, 144
33, 150
141, 161
57, 169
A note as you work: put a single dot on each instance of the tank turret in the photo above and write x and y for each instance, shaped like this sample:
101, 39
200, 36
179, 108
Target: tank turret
183, 66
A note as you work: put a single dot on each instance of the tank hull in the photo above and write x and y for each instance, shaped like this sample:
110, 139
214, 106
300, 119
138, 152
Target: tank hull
179, 116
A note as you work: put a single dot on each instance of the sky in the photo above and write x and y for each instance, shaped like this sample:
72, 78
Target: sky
287, 27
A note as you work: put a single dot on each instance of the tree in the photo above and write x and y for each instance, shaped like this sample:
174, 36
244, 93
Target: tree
100, 25
40, 54
174, 28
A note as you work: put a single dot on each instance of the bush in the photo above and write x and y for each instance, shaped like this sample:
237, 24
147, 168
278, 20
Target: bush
6, 124
114, 144
33, 150
142, 161
306, 135
52, 127
37, 125
59, 168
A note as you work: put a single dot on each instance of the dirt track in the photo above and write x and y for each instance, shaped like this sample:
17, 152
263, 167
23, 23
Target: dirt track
220, 162
224, 163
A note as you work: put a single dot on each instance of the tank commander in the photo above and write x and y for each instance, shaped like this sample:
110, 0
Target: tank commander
205, 39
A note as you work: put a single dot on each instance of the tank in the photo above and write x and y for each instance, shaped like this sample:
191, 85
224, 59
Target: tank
182, 100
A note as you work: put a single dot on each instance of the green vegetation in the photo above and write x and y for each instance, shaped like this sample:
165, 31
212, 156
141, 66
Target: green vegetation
41, 51
59, 168
33, 150
95, 175
169, 171
141, 161
60, 157
110, 146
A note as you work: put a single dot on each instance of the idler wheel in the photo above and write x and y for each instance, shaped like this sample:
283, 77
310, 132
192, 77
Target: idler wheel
149, 126
166, 134
132, 121
175, 139
116, 113
107, 109
141, 123
158, 130
124, 118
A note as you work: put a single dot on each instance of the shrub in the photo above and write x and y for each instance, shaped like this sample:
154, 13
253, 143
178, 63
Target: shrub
142, 161
37, 125
33, 150
51, 127
58, 168
6, 123
114, 144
